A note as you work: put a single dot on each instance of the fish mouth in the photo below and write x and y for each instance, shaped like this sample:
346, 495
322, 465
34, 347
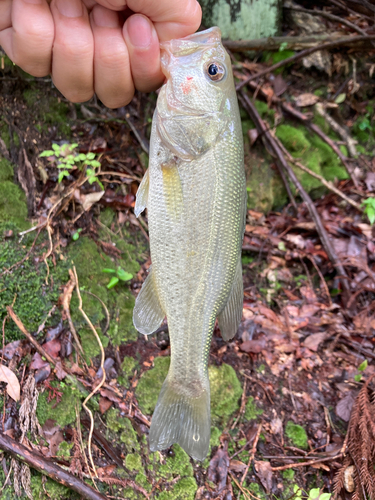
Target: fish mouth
192, 43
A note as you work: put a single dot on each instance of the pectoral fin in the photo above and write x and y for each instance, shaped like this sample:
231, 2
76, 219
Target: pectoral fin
142, 195
172, 189
230, 317
148, 314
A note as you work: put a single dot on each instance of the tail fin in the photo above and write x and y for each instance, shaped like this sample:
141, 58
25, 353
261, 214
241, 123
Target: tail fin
182, 416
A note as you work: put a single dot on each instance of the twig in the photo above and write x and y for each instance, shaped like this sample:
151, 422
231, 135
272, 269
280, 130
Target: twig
305, 464
142, 141
325, 46
242, 407
260, 383
338, 129
274, 42
322, 280
66, 298
252, 454
49, 232
272, 145
331, 17
345, 7
38, 347
95, 390
244, 491
48, 468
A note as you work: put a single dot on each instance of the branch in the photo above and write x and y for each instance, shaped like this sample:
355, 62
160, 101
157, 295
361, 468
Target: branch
331, 17
325, 46
274, 42
48, 468
272, 146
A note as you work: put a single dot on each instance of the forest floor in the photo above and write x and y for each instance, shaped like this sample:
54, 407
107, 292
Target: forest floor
293, 413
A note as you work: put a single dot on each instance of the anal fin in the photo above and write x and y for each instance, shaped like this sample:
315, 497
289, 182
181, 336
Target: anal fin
230, 317
142, 195
148, 313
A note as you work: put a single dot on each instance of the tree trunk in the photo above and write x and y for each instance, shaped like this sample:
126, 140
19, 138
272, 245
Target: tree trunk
243, 19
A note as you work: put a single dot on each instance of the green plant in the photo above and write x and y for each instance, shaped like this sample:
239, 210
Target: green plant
369, 205
120, 275
67, 159
314, 494
75, 235
361, 368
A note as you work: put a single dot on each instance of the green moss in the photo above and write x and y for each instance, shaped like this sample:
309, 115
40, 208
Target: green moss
288, 474
64, 450
141, 480
120, 428
251, 410
177, 465
64, 412
13, 205
294, 139
133, 462
107, 216
184, 489
264, 110
45, 488
225, 391
128, 366
297, 434
6, 170
27, 282
148, 388
215, 436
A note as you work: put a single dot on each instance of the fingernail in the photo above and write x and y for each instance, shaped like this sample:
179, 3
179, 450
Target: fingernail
106, 18
70, 8
139, 30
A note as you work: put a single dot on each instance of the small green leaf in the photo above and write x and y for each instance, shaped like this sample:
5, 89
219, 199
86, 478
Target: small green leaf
362, 367
113, 282
81, 157
283, 46
49, 152
56, 148
95, 163
358, 377
370, 212
90, 156
325, 496
107, 270
314, 493
62, 174
75, 236
123, 275
281, 246
340, 98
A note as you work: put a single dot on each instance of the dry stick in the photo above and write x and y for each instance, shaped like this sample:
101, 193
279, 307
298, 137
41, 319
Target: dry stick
38, 347
305, 464
274, 42
252, 454
345, 7
330, 45
338, 129
329, 16
272, 146
67, 297
319, 132
95, 390
49, 231
328, 184
48, 468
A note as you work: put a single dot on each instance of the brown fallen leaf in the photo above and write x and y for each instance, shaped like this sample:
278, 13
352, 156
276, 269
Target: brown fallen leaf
237, 466
344, 407
13, 387
306, 99
104, 404
218, 470
264, 472
313, 341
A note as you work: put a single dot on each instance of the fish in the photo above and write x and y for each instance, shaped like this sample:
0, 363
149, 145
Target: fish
195, 193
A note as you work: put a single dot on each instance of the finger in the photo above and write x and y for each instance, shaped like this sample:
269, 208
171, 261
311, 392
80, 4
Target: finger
143, 46
5, 17
172, 19
113, 4
113, 81
73, 50
28, 41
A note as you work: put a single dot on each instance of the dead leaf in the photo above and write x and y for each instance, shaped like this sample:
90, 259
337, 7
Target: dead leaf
218, 469
52, 347
313, 341
237, 466
254, 346
10, 349
276, 426
38, 362
344, 407
13, 387
309, 294
253, 135
88, 200
296, 239
59, 370
306, 99
104, 404
264, 472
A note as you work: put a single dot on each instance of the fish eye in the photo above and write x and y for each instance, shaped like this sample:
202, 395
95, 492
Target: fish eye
215, 71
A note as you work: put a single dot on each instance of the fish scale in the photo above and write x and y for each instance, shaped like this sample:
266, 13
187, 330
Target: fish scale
195, 193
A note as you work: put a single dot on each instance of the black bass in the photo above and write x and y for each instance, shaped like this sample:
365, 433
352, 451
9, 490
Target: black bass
195, 193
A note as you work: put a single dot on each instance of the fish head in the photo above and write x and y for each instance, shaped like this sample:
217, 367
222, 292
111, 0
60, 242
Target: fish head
194, 104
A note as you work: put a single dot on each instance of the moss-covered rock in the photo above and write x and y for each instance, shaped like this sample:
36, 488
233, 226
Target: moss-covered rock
225, 392
297, 434
13, 208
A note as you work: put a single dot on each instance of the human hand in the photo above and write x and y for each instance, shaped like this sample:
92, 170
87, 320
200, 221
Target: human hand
110, 47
